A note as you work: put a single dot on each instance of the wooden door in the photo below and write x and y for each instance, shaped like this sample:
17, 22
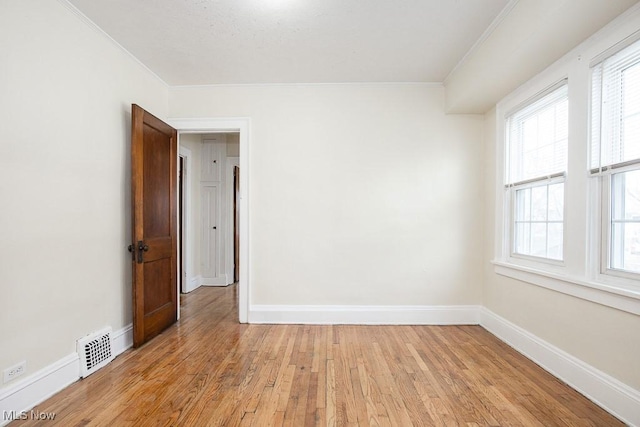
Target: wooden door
154, 148
181, 223
236, 223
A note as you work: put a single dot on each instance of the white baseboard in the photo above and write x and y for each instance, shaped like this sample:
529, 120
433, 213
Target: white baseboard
122, 339
193, 283
365, 315
197, 281
41, 385
38, 387
612, 395
214, 281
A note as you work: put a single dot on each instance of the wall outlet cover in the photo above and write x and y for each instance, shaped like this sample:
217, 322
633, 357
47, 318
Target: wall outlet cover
14, 371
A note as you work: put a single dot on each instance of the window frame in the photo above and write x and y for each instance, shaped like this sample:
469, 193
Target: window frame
605, 183
601, 175
547, 181
509, 234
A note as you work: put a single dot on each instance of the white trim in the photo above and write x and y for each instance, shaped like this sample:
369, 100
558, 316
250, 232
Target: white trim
41, 385
621, 45
365, 315
243, 126
214, 281
122, 340
621, 298
38, 387
266, 84
483, 38
193, 283
84, 18
611, 394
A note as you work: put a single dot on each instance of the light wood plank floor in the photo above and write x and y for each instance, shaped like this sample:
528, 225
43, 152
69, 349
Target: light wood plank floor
210, 370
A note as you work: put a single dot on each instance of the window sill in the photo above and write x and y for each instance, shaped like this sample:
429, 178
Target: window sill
606, 294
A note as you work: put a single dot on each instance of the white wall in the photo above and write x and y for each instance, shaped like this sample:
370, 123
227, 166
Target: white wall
360, 194
64, 179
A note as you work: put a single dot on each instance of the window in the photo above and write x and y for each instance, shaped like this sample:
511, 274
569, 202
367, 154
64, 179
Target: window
615, 157
537, 136
568, 192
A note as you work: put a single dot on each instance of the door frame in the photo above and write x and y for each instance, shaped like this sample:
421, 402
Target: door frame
185, 222
241, 125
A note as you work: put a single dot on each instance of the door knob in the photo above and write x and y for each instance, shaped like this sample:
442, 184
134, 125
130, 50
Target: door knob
142, 247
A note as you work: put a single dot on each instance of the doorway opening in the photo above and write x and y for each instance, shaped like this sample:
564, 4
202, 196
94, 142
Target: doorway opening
214, 217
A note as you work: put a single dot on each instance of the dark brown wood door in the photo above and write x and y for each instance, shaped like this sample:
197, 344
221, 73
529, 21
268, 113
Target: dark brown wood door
181, 222
154, 148
236, 223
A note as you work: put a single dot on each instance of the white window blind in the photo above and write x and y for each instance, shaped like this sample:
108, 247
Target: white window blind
537, 137
615, 121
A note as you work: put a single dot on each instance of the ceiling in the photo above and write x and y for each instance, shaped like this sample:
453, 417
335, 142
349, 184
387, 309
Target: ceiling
196, 42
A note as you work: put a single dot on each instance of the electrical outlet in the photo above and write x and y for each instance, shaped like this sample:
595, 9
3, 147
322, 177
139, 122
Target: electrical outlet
15, 371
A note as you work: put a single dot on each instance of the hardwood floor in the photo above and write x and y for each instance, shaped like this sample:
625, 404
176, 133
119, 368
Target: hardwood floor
210, 370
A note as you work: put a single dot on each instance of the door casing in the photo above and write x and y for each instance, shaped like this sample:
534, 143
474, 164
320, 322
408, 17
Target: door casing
243, 127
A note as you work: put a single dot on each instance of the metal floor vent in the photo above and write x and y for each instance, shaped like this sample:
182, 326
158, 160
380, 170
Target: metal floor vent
95, 351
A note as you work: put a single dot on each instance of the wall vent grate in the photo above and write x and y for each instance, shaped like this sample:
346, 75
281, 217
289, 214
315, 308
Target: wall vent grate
95, 351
